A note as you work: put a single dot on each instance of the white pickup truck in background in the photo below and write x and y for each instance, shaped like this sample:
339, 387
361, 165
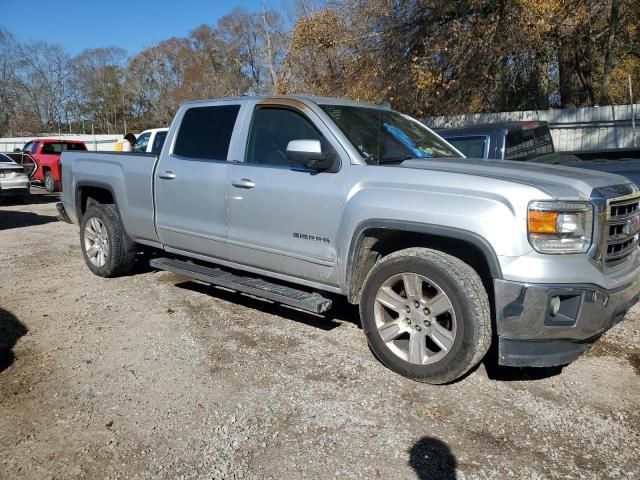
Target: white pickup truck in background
151, 141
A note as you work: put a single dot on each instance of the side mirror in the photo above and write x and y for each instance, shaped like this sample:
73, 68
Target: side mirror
16, 150
309, 154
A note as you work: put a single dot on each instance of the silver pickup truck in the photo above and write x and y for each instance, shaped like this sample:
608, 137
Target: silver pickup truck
310, 197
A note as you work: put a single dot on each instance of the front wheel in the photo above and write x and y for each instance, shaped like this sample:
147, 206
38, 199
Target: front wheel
426, 315
106, 249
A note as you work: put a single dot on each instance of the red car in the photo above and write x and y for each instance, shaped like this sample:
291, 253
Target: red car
46, 153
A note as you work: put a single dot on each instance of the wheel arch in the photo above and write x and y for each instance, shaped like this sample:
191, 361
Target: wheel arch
374, 239
101, 193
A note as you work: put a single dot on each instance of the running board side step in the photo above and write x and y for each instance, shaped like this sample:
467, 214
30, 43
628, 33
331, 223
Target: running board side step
311, 302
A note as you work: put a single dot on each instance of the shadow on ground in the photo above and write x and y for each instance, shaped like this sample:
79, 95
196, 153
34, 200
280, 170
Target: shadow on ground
515, 374
11, 329
13, 219
341, 311
38, 197
432, 459
41, 196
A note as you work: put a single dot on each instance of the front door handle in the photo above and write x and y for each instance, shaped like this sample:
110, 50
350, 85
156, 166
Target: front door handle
168, 175
243, 183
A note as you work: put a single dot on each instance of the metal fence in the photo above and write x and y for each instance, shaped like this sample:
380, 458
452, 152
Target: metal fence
93, 142
572, 128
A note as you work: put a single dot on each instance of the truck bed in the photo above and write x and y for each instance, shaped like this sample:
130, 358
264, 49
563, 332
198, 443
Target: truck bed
129, 177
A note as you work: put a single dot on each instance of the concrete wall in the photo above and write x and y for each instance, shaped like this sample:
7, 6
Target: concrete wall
94, 142
572, 128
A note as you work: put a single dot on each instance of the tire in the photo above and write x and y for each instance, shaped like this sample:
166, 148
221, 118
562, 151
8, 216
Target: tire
102, 229
440, 330
50, 184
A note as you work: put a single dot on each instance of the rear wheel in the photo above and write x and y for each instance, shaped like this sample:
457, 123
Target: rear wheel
50, 184
106, 249
426, 315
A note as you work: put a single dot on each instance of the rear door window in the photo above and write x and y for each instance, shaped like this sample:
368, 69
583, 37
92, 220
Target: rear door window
205, 132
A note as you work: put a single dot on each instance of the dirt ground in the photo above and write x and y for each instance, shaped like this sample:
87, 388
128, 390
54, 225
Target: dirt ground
154, 376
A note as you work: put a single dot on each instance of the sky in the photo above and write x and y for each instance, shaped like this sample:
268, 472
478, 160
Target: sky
132, 25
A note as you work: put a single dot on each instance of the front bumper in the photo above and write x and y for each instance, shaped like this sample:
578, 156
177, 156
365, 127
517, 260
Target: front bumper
531, 335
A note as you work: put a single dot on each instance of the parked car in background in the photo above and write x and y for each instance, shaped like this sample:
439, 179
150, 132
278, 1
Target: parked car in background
26, 161
151, 141
14, 180
46, 153
532, 142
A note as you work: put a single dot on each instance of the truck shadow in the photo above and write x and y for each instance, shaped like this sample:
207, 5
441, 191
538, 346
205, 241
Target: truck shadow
11, 329
41, 197
341, 311
518, 374
498, 372
37, 197
14, 219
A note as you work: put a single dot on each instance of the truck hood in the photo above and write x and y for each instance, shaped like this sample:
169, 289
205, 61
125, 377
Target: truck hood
564, 183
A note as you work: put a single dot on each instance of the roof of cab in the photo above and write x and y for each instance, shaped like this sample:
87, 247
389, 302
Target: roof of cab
303, 98
55, 139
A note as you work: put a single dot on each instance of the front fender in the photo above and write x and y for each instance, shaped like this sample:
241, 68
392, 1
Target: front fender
494, 223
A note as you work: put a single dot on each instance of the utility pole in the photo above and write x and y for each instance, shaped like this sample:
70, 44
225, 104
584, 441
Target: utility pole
633, 114
124, 114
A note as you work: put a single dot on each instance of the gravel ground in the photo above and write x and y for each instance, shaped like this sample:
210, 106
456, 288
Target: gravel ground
154, 376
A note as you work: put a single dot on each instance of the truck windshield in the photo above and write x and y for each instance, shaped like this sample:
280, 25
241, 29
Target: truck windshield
384, 136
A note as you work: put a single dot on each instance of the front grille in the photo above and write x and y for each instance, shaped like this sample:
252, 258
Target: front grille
621, 229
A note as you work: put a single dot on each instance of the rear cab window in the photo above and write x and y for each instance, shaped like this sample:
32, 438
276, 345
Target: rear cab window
205, 132
528, 143
56, 148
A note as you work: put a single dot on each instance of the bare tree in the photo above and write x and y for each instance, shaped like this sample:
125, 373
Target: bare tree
43, 80
97, 78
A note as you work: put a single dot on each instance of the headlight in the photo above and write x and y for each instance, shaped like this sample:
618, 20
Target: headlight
560, 227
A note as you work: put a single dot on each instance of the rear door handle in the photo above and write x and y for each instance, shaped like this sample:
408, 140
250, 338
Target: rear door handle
243, 183
168, 175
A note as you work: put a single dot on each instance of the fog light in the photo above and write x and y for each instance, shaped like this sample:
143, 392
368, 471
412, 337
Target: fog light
555, 306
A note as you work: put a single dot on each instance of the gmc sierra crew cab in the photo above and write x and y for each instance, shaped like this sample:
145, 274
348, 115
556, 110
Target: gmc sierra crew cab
297, 198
